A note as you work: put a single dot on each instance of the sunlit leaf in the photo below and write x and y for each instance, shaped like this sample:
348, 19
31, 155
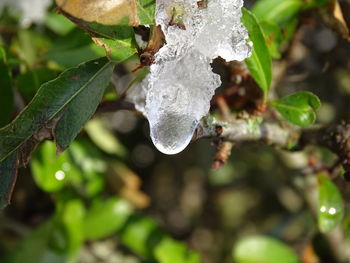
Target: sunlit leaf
330, 204
259, 63
263, 249
276, 11
104, 138
106, 217
51, 172
171, 251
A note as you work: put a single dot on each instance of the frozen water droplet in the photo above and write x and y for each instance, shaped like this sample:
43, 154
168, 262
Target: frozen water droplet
172, 133
177, 92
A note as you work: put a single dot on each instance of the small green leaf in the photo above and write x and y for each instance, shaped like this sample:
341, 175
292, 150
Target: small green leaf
141, 235
70, 216
171, 251
277, 11
263, 249
298, 108
104, 138
106, 217
51, 172
259, 63
330, 204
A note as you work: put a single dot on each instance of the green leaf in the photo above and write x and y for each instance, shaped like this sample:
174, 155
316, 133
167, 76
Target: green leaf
6, 91
171, 251
70, 216
259, 63
146, 11
273, 38
58, 24
106, 217
262, 249
315, 4
69, 101
298, 108
8, 174
35, 248
104, 138
29, 82
330, 204
141, 235
72, 49
277, 11
117, 41
51, 173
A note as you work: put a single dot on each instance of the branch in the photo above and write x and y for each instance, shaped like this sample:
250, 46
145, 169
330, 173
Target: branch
249, 130
335, 137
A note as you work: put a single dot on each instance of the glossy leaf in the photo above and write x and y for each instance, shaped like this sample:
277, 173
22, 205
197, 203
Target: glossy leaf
6, 91
72, 98
259, 63
106, 217
51, 172
105, 12
330, 204
59, 109
276, 11
263, 249
298, 108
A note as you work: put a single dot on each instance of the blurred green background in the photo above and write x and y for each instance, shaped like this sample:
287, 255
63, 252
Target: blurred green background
112, 197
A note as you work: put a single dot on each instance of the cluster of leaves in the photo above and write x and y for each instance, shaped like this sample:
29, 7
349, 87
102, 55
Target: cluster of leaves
59, 108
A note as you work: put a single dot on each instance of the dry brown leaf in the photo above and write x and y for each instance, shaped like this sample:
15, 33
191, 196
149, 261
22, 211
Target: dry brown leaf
106, 12
333, 17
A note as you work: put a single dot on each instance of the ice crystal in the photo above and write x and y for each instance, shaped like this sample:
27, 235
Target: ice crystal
178, 90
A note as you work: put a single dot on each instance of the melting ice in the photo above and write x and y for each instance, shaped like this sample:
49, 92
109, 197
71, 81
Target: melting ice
176, 93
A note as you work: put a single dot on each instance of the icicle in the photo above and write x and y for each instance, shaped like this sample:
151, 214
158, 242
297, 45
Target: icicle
181, 83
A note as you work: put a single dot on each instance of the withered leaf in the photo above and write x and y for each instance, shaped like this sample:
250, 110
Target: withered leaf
332, 16
110, 12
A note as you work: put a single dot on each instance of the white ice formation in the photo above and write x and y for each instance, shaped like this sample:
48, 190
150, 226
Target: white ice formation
29, 10
176, 93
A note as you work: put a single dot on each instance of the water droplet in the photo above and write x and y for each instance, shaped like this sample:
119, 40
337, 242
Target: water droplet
332, 211
172, 133
60, 175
